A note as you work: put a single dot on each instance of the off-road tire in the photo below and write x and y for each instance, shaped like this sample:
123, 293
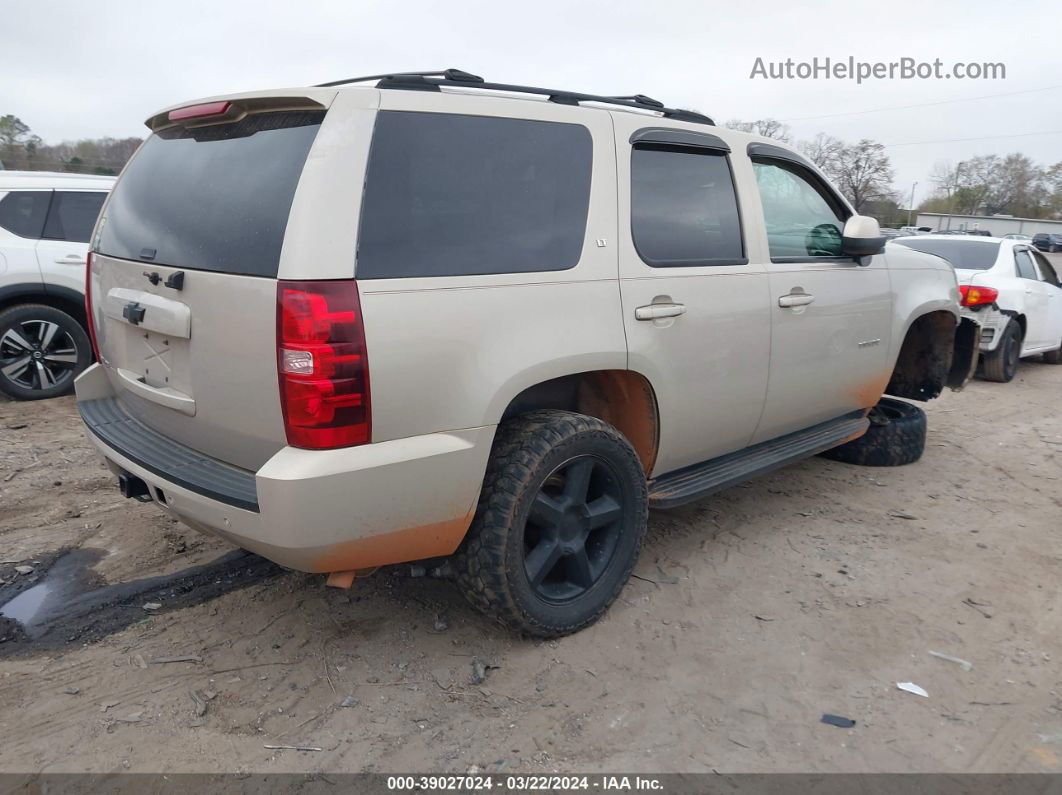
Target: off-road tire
896, 436
1001, 365
489, 565
13, 318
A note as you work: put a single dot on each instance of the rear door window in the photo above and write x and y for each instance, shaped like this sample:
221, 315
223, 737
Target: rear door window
453, 195
72, 215
22, 212
214, 197
684, 211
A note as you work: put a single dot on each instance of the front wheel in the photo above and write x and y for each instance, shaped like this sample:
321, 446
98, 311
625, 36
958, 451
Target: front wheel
896, 436
1001, 365
559, 524
42, 351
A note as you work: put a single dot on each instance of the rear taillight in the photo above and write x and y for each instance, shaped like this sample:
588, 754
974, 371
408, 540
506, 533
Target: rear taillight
324, 373
973, 295
88, 307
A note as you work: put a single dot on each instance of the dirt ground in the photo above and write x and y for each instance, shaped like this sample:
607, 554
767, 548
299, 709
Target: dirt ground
814, 590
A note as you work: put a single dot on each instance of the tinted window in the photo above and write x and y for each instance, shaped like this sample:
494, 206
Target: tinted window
215, 198
23, 211
1047, 270
970, 255
683, 208
1026, 269
803, 218
72, 215
450, 195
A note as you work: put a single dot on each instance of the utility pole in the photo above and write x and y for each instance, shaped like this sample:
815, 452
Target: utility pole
910, 207
954, 196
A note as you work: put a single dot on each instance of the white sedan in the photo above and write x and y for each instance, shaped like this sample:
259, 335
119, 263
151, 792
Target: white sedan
1008, 287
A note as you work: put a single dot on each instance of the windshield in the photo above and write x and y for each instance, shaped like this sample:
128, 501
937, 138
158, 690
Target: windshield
214, 197
968, 255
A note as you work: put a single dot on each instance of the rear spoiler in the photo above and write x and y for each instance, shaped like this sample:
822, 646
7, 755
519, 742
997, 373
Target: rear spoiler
225, 109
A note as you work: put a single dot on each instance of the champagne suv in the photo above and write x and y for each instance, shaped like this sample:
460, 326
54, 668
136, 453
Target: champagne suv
424, 315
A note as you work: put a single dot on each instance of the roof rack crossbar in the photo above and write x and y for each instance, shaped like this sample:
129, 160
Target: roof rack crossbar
431, 81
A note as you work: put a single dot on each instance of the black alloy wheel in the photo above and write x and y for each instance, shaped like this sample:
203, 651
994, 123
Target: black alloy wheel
572, 530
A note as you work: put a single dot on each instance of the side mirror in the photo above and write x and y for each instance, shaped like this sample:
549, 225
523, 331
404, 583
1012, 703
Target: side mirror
862, 237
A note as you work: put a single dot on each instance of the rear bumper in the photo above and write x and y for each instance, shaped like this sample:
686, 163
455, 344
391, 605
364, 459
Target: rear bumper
317, 511
992, 323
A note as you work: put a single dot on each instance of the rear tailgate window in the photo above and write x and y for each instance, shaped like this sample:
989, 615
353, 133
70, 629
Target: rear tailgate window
214, 197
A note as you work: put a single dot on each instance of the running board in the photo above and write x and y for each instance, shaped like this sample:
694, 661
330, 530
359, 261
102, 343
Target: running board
700, 480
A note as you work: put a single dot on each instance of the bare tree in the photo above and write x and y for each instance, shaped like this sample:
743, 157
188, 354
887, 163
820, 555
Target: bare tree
942, 178
823, 150
769, 128
861, 171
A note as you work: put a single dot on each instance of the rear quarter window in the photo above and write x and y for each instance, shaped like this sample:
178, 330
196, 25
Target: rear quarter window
453, 195
214, 197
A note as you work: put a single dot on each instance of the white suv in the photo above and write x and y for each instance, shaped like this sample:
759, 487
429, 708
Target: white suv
347, 325
45, 223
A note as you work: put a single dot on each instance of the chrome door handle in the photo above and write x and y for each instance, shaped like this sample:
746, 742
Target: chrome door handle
657, 311
795, 299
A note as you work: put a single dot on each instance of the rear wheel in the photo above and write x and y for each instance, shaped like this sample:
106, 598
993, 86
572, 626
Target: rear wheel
1001, 365
42, 351
896, 436
559, 525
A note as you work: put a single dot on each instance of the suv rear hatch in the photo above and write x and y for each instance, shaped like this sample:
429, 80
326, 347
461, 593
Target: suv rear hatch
183, 274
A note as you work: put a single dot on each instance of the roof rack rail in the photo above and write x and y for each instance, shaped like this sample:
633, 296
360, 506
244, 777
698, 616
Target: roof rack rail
431, 81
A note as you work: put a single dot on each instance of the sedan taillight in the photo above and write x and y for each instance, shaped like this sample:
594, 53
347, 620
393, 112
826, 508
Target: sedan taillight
321, 360
973, 295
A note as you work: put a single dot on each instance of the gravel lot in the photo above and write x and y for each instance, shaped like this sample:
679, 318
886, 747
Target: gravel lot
814, 590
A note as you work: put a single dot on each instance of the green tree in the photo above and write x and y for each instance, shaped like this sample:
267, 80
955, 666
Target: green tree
13, 137
12, 130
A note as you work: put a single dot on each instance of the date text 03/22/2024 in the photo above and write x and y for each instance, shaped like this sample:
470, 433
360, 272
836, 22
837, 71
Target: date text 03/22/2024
522, 783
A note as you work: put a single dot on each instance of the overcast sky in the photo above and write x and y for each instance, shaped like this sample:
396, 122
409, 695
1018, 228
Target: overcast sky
76, 69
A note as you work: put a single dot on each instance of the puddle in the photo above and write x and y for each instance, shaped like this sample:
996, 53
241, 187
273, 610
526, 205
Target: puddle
24, 607
70, 604
70, 576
